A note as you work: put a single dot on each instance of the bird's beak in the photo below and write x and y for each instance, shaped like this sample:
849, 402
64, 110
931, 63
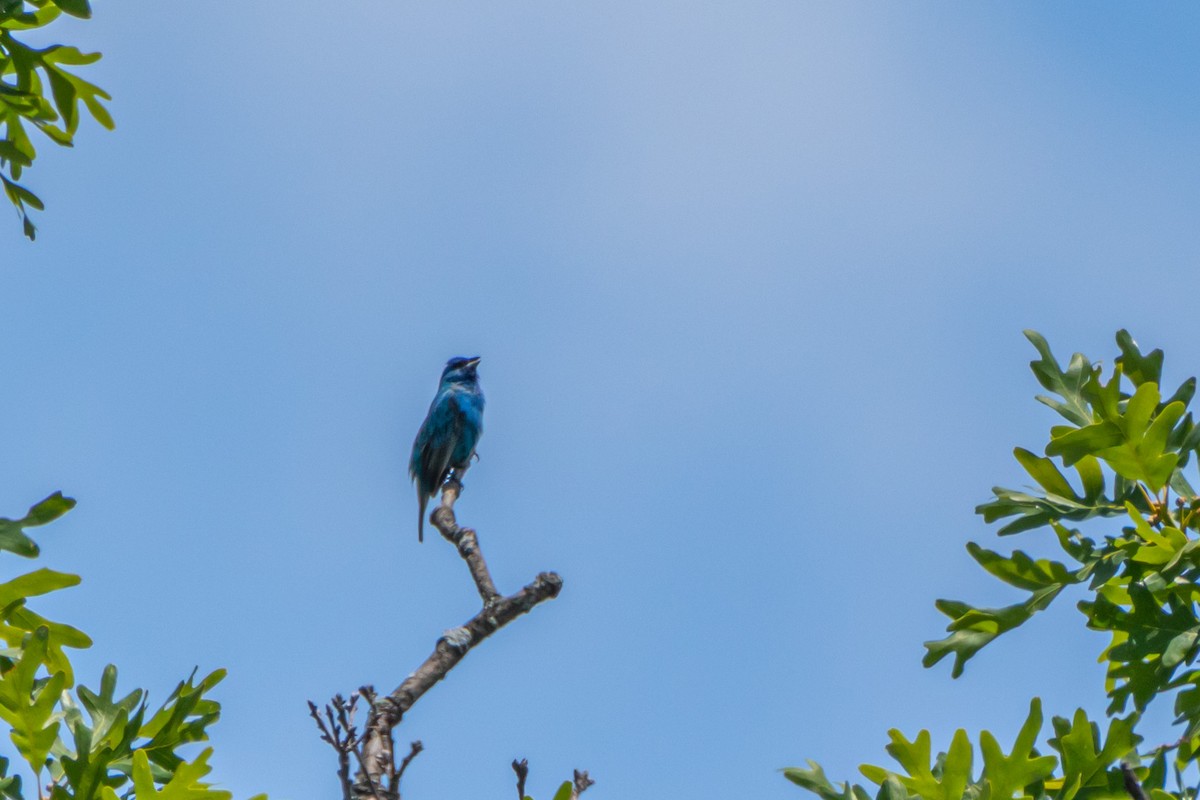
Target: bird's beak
474, 362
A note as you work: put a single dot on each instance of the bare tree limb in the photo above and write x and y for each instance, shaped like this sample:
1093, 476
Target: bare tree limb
415, 749
449, 650
377, 757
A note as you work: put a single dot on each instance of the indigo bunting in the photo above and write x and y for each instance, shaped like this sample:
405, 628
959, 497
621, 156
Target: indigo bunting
447, 438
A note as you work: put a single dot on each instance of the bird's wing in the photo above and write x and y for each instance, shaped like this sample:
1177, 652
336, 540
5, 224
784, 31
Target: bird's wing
436, 442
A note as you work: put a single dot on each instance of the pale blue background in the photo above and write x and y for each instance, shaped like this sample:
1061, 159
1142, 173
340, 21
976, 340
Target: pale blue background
748, 280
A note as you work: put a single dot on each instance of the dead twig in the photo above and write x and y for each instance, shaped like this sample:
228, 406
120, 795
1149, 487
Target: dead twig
337, 730
522, 769
581, 783
415, 749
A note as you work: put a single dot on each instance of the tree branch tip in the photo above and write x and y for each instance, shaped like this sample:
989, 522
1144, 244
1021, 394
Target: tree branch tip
522, 769
582, 782
552, 580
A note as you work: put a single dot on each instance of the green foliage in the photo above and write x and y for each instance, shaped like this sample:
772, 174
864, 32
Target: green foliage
78, 742
1085, 756
1121, 456
25, 74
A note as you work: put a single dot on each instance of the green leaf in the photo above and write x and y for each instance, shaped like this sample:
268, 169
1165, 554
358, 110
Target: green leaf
62, 54
105, 710
1072, 444
1067, 385
1092, 477
1045, 473
1033, 511
106, 747
12, 536
1161, 547
1021, 571
814, 780
1142, 634
920, 779
76, 8
38, 582
1084, 761
1141, 456
185, 784
1008, 776
28, 705
563, 793
10, 785
24, 101
65, 98
183, 719
21, 619
974, 628
1181, 647
49, 509
20, 196
1140, 369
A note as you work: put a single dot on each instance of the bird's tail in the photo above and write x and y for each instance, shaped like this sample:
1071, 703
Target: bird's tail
422, 499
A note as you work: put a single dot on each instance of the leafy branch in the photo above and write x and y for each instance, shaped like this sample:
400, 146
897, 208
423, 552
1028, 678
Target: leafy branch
1121, 455
25, 74
79, 743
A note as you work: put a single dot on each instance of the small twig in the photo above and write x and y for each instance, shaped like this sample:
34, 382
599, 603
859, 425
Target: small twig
582, 782
1132, 785
333, 736
1153, 506
416, 748
1166, 747
522, 769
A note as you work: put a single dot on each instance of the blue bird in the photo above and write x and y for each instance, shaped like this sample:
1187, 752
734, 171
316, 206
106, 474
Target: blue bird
447, 438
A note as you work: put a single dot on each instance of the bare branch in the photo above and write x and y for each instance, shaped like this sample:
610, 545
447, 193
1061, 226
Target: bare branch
465, 540
522, 769
416, 748
377, 756
333, 737
457, 642
449, 650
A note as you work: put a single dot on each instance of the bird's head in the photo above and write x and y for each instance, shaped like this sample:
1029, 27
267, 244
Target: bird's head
460, 370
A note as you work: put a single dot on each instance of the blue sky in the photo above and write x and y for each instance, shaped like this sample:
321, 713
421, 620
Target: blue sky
748, 282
